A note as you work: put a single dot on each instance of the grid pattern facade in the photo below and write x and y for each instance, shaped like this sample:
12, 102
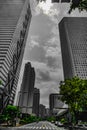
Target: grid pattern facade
15, 16
73, 37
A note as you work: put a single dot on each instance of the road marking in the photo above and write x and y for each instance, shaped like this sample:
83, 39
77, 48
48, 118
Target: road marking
30, 127
37, 127
43, 127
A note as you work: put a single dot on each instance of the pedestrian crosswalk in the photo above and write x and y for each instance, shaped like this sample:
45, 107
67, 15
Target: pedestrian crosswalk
40, 128
42, 125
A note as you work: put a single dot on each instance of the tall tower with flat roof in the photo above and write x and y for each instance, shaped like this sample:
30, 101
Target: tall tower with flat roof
73, 38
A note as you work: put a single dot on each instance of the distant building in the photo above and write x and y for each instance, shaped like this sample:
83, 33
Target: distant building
42, 110
36, 101
62, 1
15, 17
47, 112
27, 89
55, 104
73, 37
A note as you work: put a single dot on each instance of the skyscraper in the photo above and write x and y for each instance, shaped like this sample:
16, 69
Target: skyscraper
27, 89
36, 101
73, 37
15, 17
55, 104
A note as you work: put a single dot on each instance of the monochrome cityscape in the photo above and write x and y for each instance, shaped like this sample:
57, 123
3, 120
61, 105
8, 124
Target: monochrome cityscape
24, 103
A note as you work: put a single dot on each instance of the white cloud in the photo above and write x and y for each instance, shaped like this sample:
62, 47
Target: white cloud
39, 65
34, 9
57, 75
53, 52
45, 6
33, 41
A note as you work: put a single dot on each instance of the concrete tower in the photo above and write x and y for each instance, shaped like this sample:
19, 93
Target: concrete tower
73, 37
27, 89
36, 101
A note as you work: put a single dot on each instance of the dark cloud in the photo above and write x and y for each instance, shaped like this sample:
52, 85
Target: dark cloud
41, 25
37, 54
52, 62
44, 75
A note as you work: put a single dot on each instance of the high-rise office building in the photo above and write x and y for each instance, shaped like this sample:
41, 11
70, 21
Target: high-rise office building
36, 101
27, 89
55, 104
73, 37
15, 17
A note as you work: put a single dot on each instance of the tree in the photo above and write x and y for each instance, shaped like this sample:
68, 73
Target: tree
74, 93
10, 113
52, 118
29, 119
80, 4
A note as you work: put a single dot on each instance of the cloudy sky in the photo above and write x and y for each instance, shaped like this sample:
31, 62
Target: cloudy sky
43, 46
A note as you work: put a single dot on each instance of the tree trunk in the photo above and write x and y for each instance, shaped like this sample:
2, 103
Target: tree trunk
76, 116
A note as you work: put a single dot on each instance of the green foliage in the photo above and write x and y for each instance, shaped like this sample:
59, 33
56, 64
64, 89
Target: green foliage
2, 118
74, 93
51, 119
29, 119
10, 113
80, 4
63, 120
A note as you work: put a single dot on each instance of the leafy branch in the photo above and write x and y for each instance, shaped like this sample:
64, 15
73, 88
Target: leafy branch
80, 4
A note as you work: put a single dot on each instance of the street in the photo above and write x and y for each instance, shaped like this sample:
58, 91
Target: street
43, 125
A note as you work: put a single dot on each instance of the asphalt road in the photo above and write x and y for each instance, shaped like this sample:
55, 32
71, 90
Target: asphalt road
43, 125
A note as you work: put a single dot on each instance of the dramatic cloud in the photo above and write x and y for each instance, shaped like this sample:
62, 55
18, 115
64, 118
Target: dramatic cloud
51, 51
43, 46
44, 76
45, 6
33, 41
37, 54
